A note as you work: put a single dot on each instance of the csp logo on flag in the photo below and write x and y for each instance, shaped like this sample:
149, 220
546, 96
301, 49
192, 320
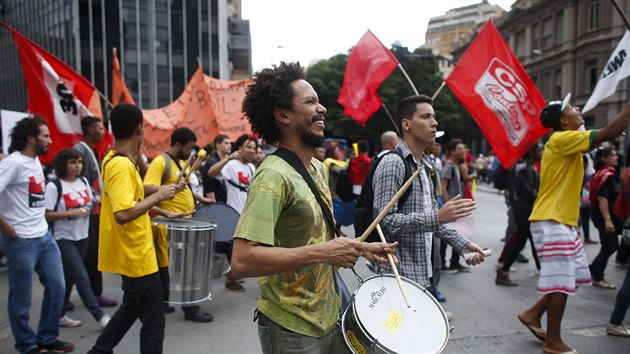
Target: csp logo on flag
506, 95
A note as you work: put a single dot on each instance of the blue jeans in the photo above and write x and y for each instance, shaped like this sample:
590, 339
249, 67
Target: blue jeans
72, 254
275, 339
25, 255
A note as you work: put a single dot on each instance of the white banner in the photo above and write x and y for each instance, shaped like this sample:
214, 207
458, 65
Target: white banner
617, 68
9, 120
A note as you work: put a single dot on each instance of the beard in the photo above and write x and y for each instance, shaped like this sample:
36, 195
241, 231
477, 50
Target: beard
41, 149
311, 140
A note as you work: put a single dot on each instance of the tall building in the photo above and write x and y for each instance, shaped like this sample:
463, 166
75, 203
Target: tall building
445, 32
160, 43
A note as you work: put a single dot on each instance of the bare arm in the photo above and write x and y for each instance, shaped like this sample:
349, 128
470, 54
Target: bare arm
72, 213
7, 229
614, 128
252, 259
444, 191
163, 193
215, 169
603, 208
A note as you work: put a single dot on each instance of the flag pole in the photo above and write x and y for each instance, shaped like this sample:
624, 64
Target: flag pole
390, 117
437, 92
415, 90
111, 105
620, 11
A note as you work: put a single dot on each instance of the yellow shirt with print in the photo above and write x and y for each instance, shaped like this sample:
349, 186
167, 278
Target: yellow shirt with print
124, 249
561, 175
183, 202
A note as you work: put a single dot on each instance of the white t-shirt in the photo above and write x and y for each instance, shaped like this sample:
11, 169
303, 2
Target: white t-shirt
75, 195
237, 176
22, 194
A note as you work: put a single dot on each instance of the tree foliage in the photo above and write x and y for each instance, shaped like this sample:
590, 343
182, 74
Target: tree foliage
326, 76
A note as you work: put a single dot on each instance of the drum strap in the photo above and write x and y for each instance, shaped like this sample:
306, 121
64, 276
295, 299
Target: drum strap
292, 159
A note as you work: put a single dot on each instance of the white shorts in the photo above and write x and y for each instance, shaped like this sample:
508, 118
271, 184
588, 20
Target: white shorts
563, 263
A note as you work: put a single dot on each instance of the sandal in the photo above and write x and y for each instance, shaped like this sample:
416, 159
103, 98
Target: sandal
538, 332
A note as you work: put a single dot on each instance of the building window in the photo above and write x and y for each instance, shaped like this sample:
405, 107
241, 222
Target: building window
557, 90
591, 75
536, 36
546, 84
520, 44
547, 32
593, 15
559, 27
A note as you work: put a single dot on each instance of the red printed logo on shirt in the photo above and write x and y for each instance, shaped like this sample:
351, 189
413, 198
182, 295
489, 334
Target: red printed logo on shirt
243, 178
76, 199
36, 185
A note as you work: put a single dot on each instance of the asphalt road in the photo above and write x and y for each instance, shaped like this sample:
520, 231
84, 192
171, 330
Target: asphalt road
484, 314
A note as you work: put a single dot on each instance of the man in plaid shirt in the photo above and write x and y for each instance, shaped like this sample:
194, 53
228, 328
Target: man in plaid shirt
418, 220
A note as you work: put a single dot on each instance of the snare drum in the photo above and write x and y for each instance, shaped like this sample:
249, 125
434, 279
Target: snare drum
223, 215
190, 248
378, 320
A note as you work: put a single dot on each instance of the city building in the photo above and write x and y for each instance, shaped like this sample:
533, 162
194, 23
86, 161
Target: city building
446, 32
160, 43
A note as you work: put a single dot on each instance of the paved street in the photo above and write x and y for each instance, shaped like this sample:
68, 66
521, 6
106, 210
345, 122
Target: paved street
485, 314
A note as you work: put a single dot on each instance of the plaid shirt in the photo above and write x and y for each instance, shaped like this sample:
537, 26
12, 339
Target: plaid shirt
410, 225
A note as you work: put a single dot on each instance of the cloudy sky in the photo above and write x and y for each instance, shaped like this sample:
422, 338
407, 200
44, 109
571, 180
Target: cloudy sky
307, 30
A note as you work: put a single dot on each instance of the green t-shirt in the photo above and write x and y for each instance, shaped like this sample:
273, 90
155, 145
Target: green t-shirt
281, 211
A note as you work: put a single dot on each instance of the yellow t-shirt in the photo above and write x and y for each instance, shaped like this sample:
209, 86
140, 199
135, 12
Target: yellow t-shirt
183, 202
124, 249
561, 175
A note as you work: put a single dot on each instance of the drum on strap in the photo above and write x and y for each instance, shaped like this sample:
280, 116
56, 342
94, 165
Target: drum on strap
190, 248
223, 215
378, 320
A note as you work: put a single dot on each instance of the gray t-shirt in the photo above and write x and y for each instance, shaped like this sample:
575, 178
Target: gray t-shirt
450, 172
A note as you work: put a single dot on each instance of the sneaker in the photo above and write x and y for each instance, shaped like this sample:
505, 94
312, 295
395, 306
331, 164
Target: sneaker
106, 302
168, 308
66, 321
104, 320
619, 330
198, 316
620, 265
521, 259
588, 241
448, 270
503, 278
234, 286
57, 347
36, 351
603, 284
69, 306
461, 268
499, 265
440, 297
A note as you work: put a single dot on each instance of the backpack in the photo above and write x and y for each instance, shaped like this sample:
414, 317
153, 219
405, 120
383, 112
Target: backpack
501, 178
365, 203
344, 185
57, 183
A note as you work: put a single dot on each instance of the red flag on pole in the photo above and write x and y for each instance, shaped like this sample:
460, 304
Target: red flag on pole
120, 93
369, 64
56, 92
495, 89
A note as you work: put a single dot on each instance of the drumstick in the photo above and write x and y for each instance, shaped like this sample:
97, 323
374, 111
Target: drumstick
486, 252
389, 205
200, 156
192, 156
393, 265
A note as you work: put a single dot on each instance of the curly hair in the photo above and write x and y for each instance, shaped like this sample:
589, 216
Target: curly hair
271, 89
60, 161
26, 127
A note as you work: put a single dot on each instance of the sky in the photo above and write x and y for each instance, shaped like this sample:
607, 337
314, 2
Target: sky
307, 30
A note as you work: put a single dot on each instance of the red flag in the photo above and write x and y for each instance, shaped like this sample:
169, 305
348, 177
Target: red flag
495, 89
56, 92
369, 64
120, 93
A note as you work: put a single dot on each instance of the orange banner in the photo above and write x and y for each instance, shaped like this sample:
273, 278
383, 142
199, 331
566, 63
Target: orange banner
226, 98
120, 93
193, 109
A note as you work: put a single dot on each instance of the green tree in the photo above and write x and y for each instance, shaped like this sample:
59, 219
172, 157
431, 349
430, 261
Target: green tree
326, 76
